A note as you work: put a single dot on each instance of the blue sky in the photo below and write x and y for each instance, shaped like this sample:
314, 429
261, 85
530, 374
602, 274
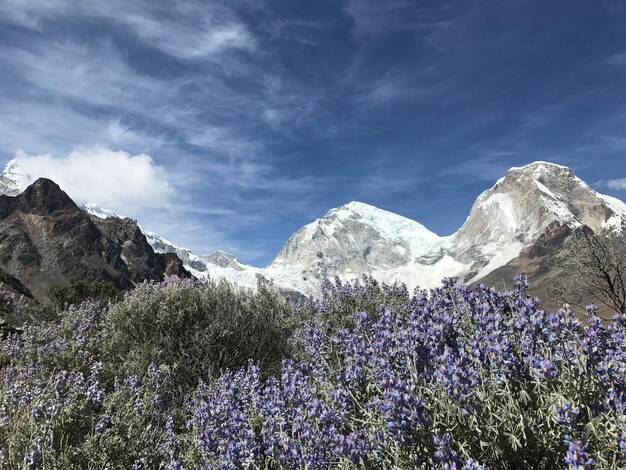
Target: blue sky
232, 124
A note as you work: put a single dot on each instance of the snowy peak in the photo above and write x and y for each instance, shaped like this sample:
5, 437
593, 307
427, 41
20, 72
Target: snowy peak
389, 224
561, 196
529, 198
97, 211
540, 166
357, 229
519, 208
353, 240
12, 180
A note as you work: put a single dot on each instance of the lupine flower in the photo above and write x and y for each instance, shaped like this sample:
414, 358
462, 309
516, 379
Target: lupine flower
445, 453
33, 457
566, 412
103, 423
621, 443
370, 387
577, 457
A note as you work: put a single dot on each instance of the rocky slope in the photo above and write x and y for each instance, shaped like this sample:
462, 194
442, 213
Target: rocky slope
45, 238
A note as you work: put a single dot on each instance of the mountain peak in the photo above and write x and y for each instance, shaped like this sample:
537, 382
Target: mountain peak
358, 206
43, 196
13, 167
521, 206
389, 224
540, 165
540, 171
12, 180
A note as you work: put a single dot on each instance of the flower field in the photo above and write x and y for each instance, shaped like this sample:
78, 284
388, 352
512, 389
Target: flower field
370, 376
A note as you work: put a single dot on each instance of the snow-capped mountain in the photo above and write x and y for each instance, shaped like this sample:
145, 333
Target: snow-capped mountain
518, 209
218, 264
12, 180
358, 238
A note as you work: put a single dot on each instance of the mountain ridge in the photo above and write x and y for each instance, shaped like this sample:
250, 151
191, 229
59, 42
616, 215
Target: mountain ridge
357, 238
45, 239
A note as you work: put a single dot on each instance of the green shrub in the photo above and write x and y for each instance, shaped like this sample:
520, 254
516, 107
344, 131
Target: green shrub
77, 291
196, 330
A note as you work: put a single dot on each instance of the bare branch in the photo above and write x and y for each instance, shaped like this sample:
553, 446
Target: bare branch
592, 266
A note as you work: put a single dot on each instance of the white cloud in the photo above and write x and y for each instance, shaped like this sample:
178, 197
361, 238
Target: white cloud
619, 184
114, 179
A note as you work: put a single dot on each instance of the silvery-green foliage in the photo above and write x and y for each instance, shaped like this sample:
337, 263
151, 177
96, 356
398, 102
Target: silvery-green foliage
100, 387
455, 377
196, 330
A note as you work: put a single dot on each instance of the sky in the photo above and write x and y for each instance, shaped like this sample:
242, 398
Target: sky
230, 124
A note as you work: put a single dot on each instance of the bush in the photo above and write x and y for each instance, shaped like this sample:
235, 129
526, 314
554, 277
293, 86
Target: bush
451, 378
77, 291
196, 330
102, 386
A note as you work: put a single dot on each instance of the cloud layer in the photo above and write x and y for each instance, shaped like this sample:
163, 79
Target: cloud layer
115, 180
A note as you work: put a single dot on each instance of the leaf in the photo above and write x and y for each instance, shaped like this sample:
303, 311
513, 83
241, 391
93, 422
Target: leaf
514, 442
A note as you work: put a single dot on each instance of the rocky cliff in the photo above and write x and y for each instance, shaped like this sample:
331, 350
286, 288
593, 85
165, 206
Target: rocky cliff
45, 238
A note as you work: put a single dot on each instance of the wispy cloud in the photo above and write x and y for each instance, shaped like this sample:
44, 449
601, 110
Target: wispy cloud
488, 167
96, 76
184, 29
618, 184
373, 18
617, 143
616, 59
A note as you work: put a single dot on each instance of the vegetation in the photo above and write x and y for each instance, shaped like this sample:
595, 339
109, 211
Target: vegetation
195, 331
190, 375
77, 291
594, 267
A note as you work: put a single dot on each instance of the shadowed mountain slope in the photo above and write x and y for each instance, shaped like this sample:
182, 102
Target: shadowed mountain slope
45, 239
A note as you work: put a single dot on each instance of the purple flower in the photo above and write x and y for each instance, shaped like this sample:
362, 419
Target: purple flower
33, 456
577, 457
621, 443
103, 423
132, 382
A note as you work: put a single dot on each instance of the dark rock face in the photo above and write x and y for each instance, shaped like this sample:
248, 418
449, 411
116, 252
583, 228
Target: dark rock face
14, 285
534, 260
47, 239
134, 250
172, 265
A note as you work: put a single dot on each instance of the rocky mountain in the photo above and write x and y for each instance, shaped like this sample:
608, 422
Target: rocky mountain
45, 238
528, 213
512, 227
358, 239
521, 208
